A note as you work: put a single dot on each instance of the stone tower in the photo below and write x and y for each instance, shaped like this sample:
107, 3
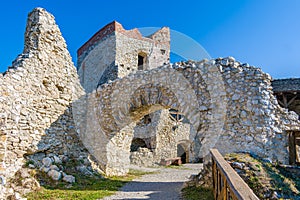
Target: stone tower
114, 52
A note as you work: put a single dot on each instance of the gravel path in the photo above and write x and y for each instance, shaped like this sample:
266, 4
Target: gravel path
163, 185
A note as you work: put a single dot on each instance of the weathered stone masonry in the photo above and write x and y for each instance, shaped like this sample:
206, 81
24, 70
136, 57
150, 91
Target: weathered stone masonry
43, 108
287, 92
35, 93
113, 52
229, 104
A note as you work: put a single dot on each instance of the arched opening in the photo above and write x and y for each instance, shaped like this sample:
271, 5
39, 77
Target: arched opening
147, 95
137, 143
183, 152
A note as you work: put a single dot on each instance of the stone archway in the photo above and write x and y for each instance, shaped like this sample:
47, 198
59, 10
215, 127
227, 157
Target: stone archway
110, 113
183, 153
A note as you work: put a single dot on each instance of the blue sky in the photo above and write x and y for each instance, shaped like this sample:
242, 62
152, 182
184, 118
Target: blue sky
263, 33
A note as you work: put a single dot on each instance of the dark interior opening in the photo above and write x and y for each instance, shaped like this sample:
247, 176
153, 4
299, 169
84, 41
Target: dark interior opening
141, 60
145, 120
181, 153
137, 143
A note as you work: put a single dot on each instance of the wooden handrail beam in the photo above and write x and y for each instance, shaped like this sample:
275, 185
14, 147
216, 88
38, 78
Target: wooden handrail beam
227, 183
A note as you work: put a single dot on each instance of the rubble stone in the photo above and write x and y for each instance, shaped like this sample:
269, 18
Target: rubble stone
69, 179
55, 175
47, 162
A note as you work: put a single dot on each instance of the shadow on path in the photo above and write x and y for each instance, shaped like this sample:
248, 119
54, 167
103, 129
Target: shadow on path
166, 184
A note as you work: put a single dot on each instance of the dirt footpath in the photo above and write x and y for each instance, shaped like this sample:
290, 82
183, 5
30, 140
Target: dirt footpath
164, 185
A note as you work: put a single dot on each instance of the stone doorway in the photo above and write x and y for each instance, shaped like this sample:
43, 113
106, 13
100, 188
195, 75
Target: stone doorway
183, 152
294, 147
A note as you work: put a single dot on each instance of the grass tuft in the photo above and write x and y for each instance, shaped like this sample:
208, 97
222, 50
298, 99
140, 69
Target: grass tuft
197, 193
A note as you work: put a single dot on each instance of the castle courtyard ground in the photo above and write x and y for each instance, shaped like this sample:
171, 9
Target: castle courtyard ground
164, 183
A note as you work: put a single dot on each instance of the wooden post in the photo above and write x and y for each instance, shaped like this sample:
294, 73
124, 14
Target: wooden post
292, 148
285, 103
292, 100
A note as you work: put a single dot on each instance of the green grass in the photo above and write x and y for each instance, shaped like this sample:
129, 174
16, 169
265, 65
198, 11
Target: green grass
28, 162
254, 183
138, 173
85, 188
197, 193
263, 177
283, 180
177, 167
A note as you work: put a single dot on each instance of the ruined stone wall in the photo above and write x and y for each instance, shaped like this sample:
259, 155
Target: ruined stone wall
142, 157
184, 136
168, 135
254, 120
230, 106
162, 135
36, 93
160, 54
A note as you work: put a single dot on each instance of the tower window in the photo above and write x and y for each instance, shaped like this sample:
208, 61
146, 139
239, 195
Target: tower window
141, 61
175, 115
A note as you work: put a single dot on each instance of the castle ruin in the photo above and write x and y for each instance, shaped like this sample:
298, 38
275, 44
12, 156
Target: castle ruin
128, 102
114, 52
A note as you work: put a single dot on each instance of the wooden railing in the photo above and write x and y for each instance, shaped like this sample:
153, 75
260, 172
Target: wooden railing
226, 182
